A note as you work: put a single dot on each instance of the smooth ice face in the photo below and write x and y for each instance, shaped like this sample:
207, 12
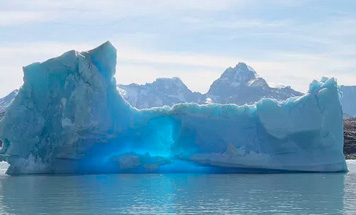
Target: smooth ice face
69, 118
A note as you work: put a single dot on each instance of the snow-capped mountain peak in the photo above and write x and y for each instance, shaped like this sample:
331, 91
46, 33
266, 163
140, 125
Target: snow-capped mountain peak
242, 85
239, 74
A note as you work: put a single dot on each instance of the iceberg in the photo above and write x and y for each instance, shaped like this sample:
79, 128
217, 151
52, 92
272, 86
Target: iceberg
69, 118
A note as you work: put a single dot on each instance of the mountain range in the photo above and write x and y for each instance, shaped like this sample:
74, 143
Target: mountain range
238, 85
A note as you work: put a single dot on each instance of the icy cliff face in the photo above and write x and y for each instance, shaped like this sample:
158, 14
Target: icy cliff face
69, 118
163, 91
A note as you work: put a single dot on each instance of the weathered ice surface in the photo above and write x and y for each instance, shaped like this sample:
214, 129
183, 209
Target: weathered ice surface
68, 117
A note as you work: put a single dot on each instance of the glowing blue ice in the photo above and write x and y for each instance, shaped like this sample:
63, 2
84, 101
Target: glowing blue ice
69, 118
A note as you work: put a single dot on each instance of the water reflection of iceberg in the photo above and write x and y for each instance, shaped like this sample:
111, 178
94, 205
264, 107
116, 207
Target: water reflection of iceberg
176, 193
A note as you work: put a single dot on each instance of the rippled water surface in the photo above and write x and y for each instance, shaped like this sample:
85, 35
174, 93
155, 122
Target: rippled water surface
180, 194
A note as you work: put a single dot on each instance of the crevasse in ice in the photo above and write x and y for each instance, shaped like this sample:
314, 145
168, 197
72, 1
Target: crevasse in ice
68, 117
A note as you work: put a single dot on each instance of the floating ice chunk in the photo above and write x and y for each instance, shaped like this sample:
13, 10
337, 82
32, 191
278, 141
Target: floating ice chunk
69, 117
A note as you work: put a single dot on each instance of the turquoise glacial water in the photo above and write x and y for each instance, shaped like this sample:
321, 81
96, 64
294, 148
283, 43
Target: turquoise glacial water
180, 193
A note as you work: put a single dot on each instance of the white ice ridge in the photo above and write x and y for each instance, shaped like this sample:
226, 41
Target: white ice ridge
68, 117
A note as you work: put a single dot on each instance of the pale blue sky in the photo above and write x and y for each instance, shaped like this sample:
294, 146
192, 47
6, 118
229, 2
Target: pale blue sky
285, 41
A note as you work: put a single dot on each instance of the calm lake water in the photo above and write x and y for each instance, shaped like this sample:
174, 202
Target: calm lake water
180, 194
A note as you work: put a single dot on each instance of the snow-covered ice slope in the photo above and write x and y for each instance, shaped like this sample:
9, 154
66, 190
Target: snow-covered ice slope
68, 117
